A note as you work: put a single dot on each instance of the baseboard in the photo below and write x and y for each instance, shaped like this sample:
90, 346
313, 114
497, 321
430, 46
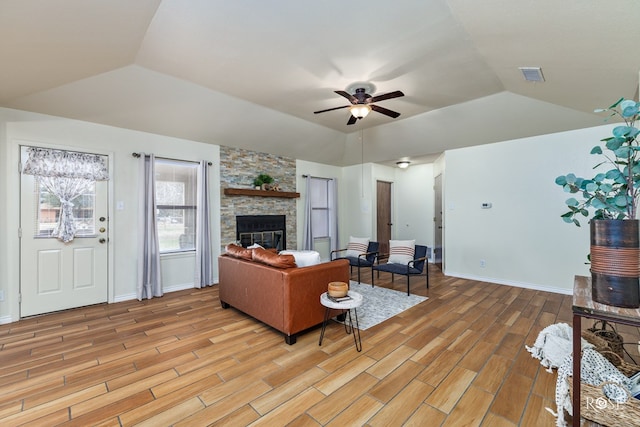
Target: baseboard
524, 285
5, 320
168, 289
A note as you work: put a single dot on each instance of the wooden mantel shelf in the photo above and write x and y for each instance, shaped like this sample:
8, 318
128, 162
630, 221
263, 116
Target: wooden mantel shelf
259, 193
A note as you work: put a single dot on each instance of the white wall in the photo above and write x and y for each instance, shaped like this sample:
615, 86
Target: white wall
412, 202
357, 209
522, 238
17, 127
413, 208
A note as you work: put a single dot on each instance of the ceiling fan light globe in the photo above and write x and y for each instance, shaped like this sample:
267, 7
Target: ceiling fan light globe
359, 111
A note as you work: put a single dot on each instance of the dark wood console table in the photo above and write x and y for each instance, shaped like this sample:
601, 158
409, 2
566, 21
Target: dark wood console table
584, 306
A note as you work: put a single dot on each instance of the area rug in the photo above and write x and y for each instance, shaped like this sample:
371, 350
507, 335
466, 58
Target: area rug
380, 304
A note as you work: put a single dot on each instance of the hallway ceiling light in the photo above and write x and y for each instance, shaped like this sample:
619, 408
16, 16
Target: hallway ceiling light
403, 164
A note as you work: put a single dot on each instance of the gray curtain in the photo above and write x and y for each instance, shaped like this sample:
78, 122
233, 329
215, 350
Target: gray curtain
333, 214
307, 238
204, 255
149, 277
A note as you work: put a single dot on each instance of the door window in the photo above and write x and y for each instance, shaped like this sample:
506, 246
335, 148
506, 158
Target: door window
49, 208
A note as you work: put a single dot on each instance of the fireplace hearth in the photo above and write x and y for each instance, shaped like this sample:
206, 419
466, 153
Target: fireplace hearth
268, 231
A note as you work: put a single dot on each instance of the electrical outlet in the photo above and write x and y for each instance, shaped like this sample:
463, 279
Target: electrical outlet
483, 263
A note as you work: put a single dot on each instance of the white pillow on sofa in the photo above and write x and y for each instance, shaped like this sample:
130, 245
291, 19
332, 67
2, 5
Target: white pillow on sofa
401, 251
357, 246
304, 258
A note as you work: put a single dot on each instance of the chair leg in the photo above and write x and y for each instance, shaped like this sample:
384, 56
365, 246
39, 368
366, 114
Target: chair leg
408, 284
427, 274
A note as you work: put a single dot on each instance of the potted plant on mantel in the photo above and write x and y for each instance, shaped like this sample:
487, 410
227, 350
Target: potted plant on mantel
260, 181
612, 196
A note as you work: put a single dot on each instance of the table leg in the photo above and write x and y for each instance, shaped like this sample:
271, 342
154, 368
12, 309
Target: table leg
324, 324
359, 341
577, 355
348, 326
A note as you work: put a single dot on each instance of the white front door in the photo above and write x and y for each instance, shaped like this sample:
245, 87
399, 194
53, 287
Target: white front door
55, 275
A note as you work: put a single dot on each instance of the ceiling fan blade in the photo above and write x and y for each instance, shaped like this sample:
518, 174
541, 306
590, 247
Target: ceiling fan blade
352, 120
385, 111
389, 95
352, 99
331, 109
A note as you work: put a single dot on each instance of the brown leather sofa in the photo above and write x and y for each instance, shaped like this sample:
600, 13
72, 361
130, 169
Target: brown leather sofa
287, 299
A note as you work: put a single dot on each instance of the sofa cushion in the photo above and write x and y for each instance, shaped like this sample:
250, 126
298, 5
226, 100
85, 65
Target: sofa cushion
304, 258
239, 252
401, 251
273, 259
357, 246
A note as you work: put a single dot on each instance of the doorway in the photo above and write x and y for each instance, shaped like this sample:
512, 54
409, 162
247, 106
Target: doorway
384, 224
55, 275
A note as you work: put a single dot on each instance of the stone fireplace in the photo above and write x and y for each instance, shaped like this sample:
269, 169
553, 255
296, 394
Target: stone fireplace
238, 168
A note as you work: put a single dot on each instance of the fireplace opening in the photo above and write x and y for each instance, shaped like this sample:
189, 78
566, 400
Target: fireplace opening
268, 231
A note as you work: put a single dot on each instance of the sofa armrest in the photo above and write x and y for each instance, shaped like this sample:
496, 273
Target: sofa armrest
302, 290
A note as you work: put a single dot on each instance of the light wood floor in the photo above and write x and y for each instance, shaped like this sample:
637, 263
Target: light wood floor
457, 359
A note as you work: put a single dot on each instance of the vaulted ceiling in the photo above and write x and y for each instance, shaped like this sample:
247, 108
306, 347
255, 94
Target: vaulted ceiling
251, 73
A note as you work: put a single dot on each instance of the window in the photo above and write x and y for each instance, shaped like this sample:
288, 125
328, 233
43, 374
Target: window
48, 215
319, 207
176, 201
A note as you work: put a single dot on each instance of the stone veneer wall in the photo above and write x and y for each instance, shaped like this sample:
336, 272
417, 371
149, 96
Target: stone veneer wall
238, 168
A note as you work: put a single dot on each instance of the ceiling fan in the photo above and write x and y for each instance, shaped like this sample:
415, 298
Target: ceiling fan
362, 102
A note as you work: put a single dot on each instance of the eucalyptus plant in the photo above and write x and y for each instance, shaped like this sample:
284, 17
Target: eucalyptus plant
613, 194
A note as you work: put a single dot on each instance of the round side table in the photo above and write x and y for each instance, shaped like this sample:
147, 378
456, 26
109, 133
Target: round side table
344, 305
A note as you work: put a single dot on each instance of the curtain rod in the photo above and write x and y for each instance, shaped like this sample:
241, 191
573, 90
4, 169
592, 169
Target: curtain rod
316, 177
136, 155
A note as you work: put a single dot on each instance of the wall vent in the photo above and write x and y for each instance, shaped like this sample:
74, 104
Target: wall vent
532, 74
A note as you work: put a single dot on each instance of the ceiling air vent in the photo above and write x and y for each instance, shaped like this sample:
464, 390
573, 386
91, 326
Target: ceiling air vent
532, 74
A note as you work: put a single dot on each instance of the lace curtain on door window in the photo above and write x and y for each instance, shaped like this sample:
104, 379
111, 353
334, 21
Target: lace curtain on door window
67, 175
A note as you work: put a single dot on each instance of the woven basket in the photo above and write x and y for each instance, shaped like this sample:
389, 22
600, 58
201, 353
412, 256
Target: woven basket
599, 343
613, 338
595, 406
627, 369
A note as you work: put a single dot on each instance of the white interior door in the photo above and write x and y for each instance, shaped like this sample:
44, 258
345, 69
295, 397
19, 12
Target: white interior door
55, 275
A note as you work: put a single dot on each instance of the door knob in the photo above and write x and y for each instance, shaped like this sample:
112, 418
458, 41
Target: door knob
102, 240
102, 229
102, 219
